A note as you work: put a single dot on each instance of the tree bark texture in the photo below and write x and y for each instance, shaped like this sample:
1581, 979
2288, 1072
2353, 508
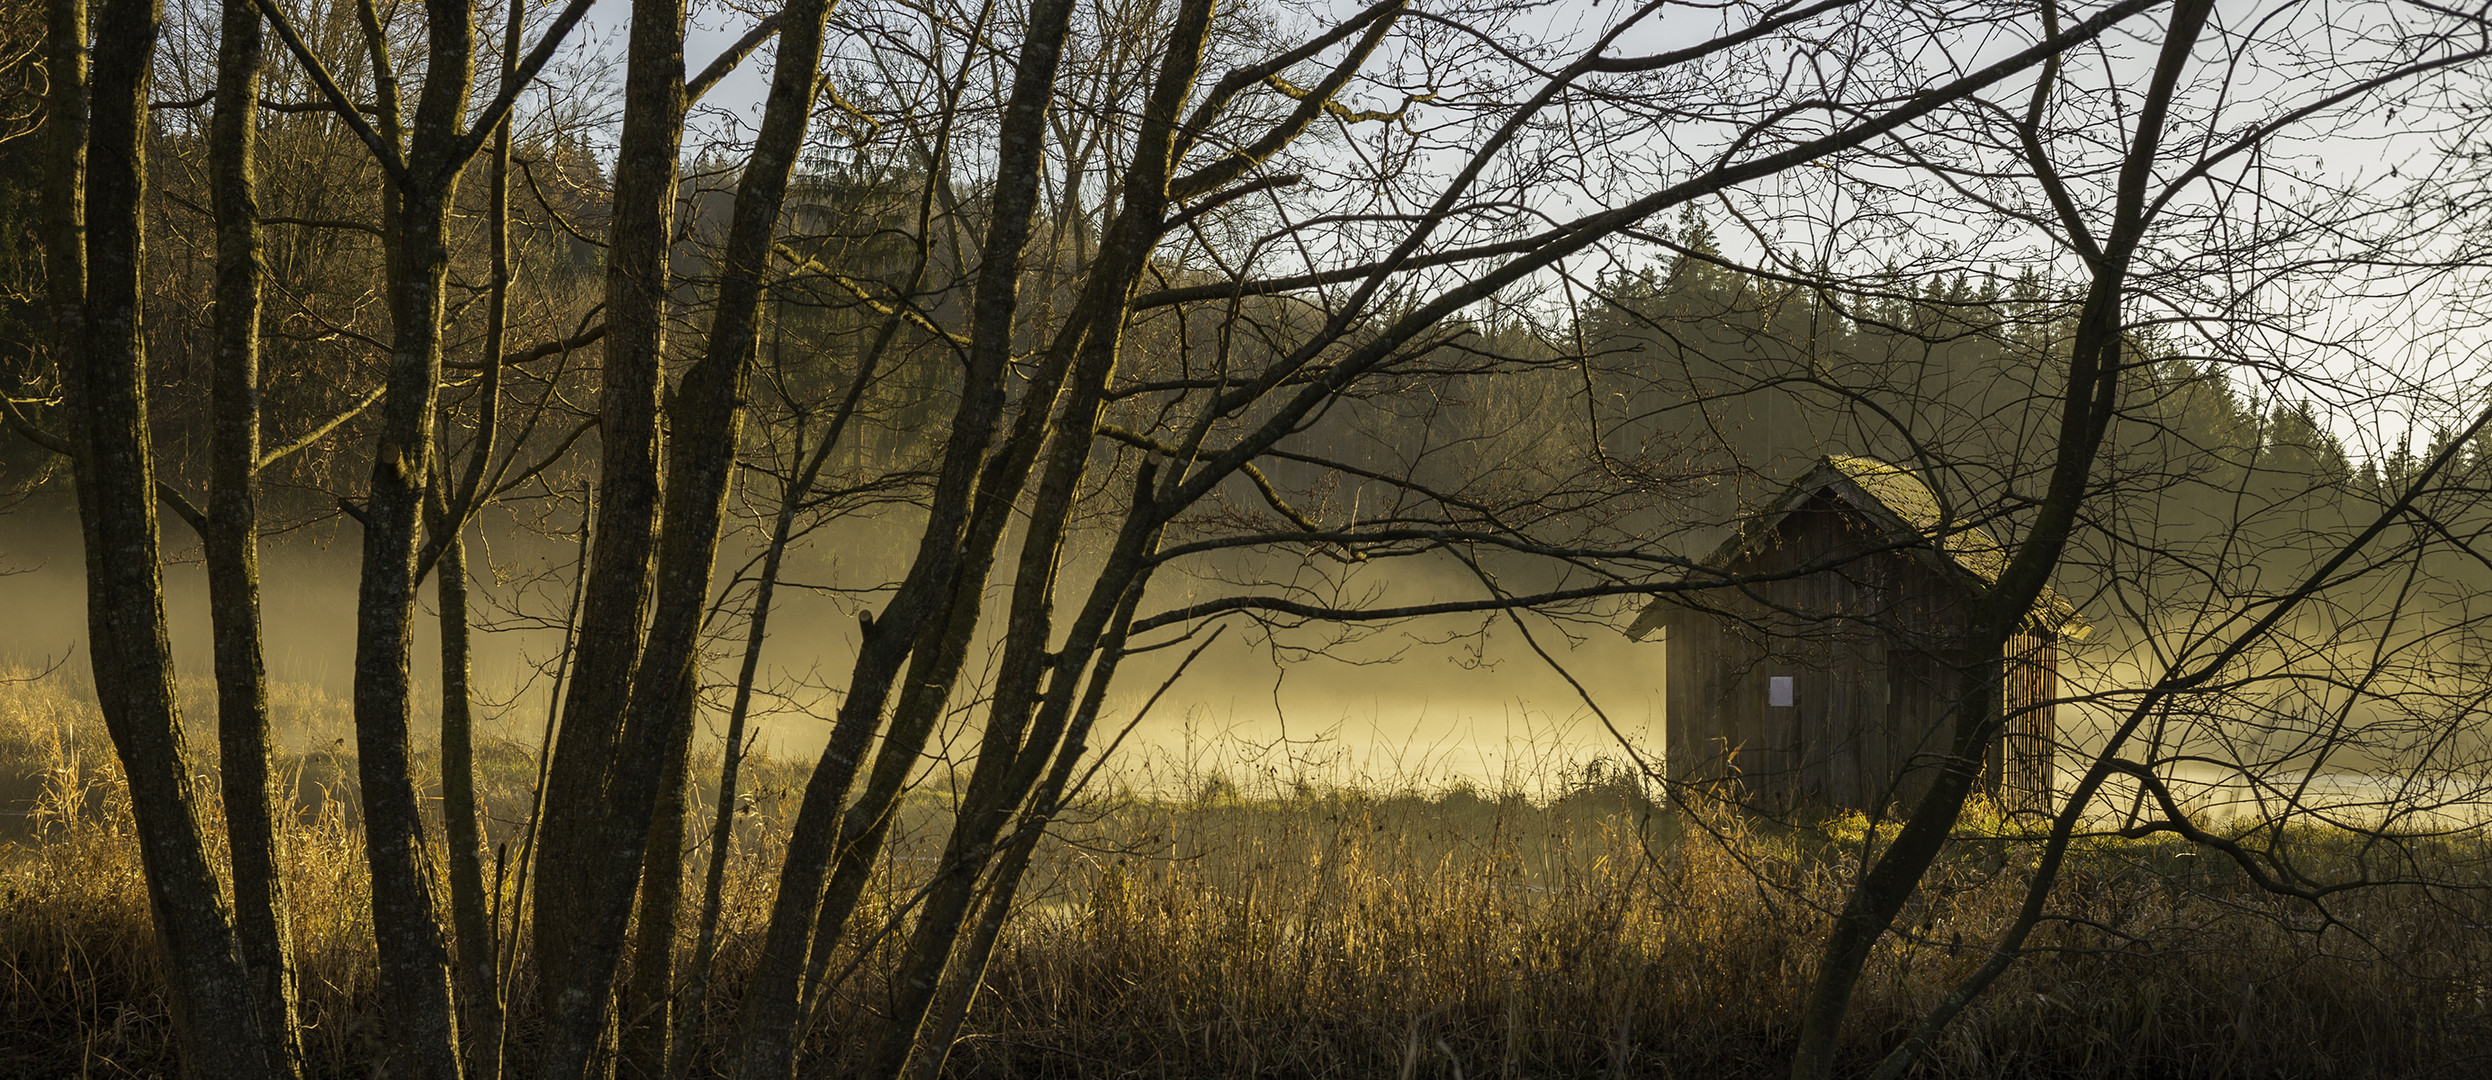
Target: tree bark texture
417, 1001
649, 1000
705, 419
93, 230
774, 996
479, 995
231, 542
473, 921
573, 996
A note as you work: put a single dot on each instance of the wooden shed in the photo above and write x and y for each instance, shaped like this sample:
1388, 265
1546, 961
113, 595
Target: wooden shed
1836, 684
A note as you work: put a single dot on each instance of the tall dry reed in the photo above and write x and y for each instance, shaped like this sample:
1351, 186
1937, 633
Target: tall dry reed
1357, 931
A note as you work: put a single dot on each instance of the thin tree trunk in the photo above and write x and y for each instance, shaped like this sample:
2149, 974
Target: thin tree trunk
650, 997
2089, 401
509, 961
943, 645
1023, 731
722, 829
934, 666
930, 1045
472, 922
922, 1056
1889, 882
415, 981
722, 834
757, 631
705, 418
572, 995
1078, 364
94, 259
1026, 730
231, 542
936, 659
480, 1002
418, 1006
774, 998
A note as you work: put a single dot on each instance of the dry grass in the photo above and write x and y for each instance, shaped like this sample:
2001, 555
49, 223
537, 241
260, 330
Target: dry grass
1362, 932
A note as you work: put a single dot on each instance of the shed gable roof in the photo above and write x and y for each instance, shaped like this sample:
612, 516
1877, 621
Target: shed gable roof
1906, 513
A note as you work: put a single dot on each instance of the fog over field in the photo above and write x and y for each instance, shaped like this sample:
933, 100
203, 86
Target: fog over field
1258, 538
1422, 703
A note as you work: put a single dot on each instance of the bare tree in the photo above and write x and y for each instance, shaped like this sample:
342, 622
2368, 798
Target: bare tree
96, 121
619, 750
1030, 453
423, 165
2106, 444
230, 529
1190, 295
2133, 223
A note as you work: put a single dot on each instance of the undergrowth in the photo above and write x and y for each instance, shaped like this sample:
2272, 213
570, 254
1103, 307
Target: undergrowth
1356, 931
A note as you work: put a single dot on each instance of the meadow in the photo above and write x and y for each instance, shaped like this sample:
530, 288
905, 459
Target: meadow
1202, 920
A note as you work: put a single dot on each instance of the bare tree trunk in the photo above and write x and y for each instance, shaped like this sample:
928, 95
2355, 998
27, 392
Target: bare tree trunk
479, 997
940, 1021
757, 631
722, 829
2089, 402
506, 972
929, 1045
573, 997
705, 415
650, 998
849, 873
1890, 882
418, 1005
231, 541
1028, 736
765, 591
1021, 732
415, 961
1060, 409
478, 987
94, 259
774, 997
942, 647
922, 1056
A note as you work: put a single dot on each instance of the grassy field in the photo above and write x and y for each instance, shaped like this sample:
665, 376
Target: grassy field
1214, 928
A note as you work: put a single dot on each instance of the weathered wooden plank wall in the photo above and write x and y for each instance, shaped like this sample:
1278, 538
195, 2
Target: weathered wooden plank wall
1872, 639
2030, 673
